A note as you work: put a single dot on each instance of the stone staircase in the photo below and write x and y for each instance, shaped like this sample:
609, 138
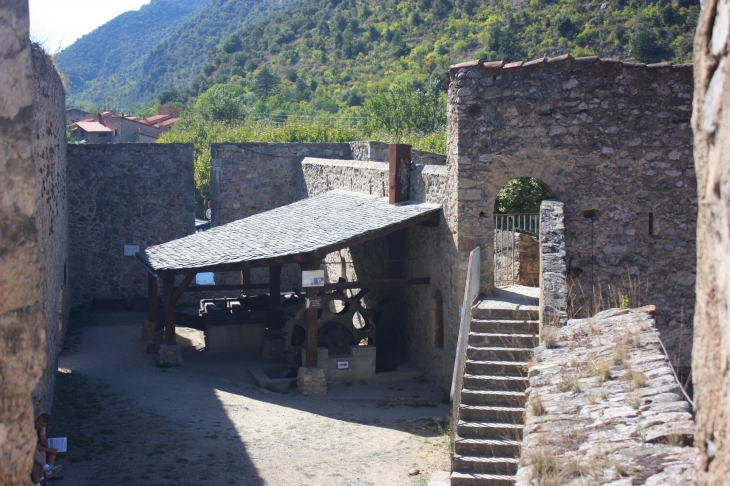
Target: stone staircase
502, 334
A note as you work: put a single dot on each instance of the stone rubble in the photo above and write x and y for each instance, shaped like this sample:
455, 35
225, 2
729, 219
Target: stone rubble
604, 406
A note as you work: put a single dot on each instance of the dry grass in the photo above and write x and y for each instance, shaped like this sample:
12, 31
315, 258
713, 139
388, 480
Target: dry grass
549, 336
600, 369
569, 383
636, 379
633, 400
630, 292
536, 406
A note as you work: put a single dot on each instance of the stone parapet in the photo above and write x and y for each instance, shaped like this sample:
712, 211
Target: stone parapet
311, 381
553, 269
604, 405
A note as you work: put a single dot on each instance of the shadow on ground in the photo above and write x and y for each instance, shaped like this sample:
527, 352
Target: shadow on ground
132, 423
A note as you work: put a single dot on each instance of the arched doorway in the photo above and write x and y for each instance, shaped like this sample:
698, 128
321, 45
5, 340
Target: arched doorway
516, 232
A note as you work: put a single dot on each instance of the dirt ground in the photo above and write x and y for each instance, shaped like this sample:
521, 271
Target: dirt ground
129, 422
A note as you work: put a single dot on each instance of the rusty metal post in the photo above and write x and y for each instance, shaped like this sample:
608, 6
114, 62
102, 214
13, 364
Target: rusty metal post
151, 298
246, 279
168, 288
400, 173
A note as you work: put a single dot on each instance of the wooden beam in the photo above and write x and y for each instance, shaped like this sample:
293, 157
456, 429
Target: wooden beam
399, 166
369, 284
183, 285
151, 298
275, 297
168, 283
206, 288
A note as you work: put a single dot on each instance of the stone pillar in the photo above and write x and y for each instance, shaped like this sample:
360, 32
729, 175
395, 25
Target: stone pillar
553, 269
711, 346
311, 381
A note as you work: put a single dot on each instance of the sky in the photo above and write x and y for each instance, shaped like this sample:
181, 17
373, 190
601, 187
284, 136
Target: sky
58, 23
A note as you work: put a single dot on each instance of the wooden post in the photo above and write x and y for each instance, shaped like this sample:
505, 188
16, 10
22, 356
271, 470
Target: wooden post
246, 279
168, 284
400, 173
274, 297
151, 298
312, 315
312, 331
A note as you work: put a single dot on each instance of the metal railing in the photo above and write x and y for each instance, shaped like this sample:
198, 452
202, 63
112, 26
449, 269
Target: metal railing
505, 227
471, 292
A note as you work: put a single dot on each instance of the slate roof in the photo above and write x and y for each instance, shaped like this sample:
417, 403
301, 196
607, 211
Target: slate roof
313, 226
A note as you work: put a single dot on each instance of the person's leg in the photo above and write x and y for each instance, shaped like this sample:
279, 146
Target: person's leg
39, 461
51, 459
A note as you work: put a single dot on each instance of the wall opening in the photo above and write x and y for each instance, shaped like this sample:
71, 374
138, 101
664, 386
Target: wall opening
438, 319
516, 231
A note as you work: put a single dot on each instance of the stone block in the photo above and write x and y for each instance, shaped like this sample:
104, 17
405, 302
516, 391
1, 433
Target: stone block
311, 381
360, 364
170, 355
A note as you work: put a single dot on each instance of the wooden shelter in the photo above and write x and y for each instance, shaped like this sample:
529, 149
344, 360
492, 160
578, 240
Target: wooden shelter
302, 232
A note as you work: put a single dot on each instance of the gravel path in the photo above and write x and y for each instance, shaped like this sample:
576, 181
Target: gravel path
131, 423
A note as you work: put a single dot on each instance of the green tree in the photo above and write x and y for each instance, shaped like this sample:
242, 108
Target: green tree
405, 109
643, 45
521, 195
265, 82
222, 102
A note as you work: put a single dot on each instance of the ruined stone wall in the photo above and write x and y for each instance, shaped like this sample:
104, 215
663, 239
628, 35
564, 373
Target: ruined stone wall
21, 263
49, 159
124, 194
604, 407
711, 352
601, 135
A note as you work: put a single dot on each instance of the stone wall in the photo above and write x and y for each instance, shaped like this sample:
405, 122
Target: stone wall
124, 194
250, 178
553, 269
604, 407
21, 264
711, 352
49, 159
603, 135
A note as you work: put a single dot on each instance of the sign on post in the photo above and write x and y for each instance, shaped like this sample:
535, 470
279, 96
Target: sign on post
313, 278
130, 250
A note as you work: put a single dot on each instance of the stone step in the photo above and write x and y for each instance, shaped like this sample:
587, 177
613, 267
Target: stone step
487, 447
471, 479
527, 313
492, 353
506, 368
505, 325
507, 340
489, 430
494, 382
481, 464
487, 413
496, 398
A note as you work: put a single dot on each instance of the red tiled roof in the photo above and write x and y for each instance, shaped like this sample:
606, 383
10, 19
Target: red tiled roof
169, 122
92, 126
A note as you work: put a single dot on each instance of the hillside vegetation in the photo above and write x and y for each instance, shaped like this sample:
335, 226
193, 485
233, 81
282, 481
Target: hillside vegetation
327, 55
127, 62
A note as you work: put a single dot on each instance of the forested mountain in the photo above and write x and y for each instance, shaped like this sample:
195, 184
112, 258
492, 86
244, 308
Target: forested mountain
128, 61
323, 55
101, 64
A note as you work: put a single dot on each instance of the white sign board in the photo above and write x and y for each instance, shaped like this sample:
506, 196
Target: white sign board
343, 365
313, 278
130, 250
